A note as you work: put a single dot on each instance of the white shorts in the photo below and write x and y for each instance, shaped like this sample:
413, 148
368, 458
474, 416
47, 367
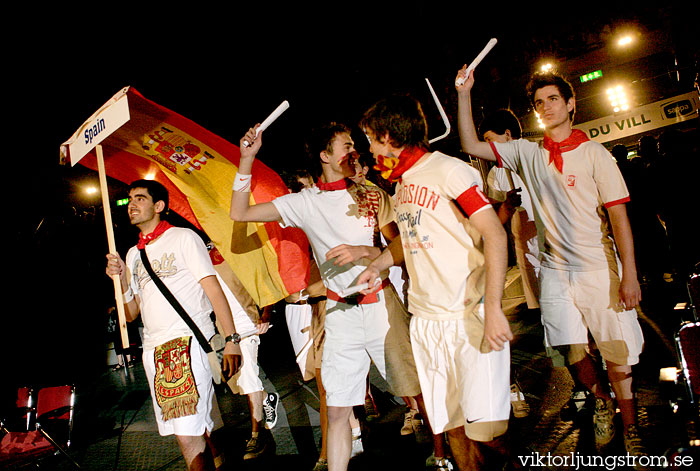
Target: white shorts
358, 334
461, 386
573, 303
247, 379
207, 407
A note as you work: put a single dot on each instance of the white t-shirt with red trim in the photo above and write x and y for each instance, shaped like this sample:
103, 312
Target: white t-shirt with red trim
443, 252
572, 226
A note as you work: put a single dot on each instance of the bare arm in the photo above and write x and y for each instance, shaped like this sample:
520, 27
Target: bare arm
241, 210
217, 298
467, 131
630, 292
392, 255
345, 253
496, 328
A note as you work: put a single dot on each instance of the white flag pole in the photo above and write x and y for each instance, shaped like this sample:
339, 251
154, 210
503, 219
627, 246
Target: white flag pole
118, 297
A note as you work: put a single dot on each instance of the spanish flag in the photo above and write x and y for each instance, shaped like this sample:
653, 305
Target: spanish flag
198, 168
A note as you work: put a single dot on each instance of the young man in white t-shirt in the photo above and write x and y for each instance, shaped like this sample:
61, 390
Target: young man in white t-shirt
176, 366
501, 184
342, 221
454, 247
578, 199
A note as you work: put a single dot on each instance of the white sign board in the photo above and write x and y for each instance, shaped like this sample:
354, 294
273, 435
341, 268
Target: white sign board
98, 127
642, 119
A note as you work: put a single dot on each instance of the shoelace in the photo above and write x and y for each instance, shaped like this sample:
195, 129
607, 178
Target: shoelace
269, 412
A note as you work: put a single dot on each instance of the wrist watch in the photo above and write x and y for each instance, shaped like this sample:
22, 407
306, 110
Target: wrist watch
235, 338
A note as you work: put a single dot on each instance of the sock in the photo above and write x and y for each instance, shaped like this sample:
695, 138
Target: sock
356, 432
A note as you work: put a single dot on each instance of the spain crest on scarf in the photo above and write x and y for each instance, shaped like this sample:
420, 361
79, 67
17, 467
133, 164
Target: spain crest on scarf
175, 387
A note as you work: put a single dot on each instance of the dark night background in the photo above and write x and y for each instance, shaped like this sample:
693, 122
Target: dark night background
227, 68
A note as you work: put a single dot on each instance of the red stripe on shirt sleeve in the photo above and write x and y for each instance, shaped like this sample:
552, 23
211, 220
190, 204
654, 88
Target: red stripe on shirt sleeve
616, 202
495, 152
472, 200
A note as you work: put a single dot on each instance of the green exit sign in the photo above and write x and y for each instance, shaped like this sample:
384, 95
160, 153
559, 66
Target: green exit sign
123, 202
591, 76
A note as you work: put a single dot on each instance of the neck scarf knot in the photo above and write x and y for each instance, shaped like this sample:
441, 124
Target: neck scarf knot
556, 149
145, 239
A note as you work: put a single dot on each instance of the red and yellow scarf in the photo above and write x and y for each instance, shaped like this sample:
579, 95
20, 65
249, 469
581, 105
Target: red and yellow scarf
391, 168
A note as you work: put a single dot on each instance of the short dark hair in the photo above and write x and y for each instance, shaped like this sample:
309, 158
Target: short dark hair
399, 116
157, 191
619, 151
321, 139
499, 121
543, 79
291, 178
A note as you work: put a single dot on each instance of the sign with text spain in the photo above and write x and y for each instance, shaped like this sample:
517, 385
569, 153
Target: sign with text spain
643, 119
99, 126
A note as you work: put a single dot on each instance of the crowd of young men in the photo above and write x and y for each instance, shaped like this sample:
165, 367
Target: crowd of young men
448, 353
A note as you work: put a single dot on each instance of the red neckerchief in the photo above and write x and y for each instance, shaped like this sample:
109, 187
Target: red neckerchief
336, 185
160, 228
391, 168
555, 149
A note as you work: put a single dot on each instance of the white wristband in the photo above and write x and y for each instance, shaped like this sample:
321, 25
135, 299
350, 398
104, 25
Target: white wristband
129, 295
242, 182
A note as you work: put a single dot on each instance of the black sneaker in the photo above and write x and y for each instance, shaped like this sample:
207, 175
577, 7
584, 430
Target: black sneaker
578, 401
270, 409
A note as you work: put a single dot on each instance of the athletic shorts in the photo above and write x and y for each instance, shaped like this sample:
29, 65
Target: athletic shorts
203, 420
575, 303
247, 379
359, 334
461, 386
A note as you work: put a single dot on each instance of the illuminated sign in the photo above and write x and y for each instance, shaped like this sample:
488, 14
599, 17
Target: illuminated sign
591, 76
643, 119
123, 202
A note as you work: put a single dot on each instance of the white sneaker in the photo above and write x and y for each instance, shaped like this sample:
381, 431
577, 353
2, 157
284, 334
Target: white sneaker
356, 446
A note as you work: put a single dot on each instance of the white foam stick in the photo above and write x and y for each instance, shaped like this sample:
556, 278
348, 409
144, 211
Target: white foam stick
252, 332
270, 119
442, 114
350, 290
492, 42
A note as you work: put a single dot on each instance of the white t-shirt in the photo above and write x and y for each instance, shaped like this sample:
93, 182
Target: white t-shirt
443, 252
523, 226
332, 218
572, 227
180, 258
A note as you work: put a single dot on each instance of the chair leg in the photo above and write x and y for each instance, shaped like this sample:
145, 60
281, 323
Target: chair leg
58, 447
